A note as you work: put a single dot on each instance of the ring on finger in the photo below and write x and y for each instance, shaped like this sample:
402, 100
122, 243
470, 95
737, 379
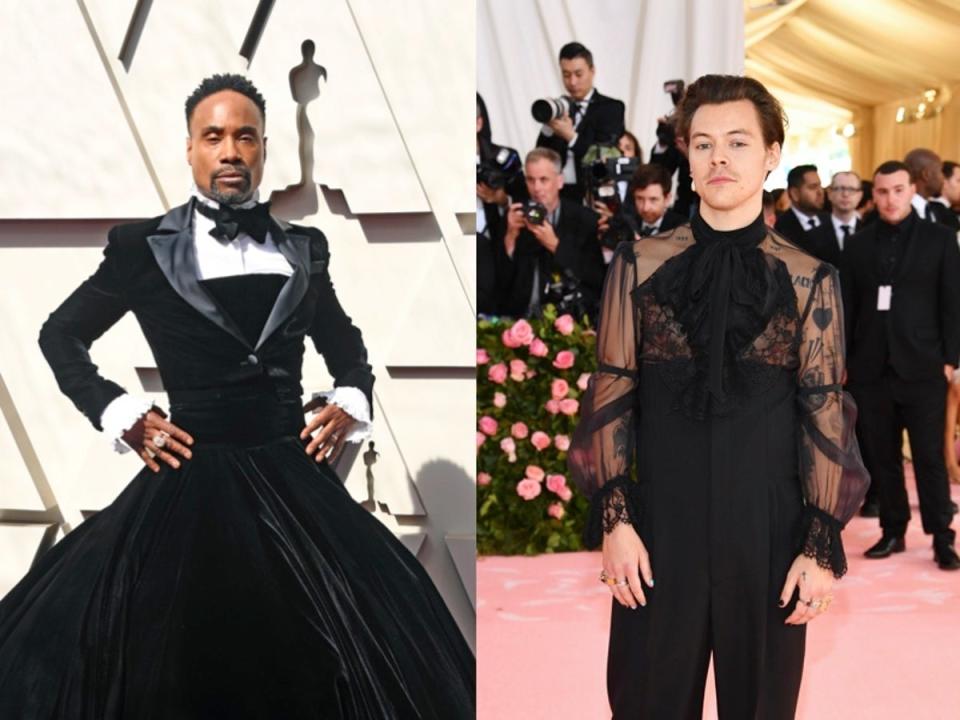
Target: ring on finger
160, 439
150, 453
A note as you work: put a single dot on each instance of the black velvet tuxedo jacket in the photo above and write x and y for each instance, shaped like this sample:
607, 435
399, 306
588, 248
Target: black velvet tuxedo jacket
603, 121
150, 269
921, 331
577, 251
821, 241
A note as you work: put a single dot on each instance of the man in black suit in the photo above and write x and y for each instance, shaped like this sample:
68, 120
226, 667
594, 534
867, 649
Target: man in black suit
927, 173
594, 119
902, 306
951, 187
160, 270
845, 192
805, 224
499, 182
535, 256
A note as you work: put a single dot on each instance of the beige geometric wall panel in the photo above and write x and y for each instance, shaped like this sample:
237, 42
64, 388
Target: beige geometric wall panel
67, 149
372, 159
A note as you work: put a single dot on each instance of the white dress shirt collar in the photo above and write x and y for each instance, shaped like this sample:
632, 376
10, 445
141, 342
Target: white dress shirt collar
920, 205
805, 219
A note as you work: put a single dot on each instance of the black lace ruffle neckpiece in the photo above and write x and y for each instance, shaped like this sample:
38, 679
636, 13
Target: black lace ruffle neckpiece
723, 290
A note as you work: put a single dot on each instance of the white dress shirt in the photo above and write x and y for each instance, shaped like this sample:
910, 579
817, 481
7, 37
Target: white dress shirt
805, 219
838, 225
241, 256
570, 166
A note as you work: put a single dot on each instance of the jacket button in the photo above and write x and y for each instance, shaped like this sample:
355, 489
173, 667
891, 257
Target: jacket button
253, 359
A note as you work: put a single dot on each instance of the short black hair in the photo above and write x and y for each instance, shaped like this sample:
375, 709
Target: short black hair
227, 81
795, 176
892, 166
948, 167
574, 50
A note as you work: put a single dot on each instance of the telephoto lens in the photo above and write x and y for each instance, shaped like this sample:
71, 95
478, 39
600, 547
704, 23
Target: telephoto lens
547, 109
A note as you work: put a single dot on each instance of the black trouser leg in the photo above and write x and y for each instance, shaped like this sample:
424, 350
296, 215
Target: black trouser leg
923, 408
880, 432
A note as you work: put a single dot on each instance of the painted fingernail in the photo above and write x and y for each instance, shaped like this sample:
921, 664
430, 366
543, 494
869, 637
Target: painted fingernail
651, 582
176, 464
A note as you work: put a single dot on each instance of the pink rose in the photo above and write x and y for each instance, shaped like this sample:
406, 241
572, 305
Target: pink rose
535, 472
517, 370
539, 348
562, 442
564, 360
564, 324
540, 440
482, 357
509, 340
583, 381
488, 425
522, 332
565, 493
559, 389
508, 445
556, 510
519, 430
499, 400
483, 478
481, 439
528, 489
569, 406
497, 373
555, 483
552, 406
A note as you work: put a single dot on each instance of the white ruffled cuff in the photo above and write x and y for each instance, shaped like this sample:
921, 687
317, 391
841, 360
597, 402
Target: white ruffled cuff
354, 403
121, 415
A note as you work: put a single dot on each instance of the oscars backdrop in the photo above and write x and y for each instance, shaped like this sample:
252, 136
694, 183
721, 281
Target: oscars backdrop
370, 139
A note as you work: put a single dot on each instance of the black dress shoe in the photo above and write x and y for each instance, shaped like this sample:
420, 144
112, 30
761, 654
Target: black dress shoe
888, 545
871, 508
946, 557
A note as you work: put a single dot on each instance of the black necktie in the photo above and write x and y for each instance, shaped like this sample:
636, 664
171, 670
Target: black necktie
231, 221
647, 230
845, 229
813, 223
928, 213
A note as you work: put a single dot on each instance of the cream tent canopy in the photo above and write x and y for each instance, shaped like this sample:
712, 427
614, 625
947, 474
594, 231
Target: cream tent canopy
839, 62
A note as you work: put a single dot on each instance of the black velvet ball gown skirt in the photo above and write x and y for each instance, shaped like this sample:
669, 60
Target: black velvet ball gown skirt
246, 584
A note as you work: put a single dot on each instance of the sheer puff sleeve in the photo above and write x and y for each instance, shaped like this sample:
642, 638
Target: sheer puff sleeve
602, 448
832, 472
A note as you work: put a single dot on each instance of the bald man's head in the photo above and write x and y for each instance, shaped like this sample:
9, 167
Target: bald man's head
926, 171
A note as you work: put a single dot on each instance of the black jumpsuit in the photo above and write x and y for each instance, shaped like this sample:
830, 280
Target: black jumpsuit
717, 426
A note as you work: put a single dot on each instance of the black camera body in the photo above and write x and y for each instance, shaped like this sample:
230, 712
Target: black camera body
534, 213
565, 294
619, 230
667, 129
500, 170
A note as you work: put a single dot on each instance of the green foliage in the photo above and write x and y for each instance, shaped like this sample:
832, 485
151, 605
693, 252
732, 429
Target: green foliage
507, 523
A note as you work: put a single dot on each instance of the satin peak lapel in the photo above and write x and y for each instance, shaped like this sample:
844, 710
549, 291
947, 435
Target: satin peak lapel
296, 249
175, 253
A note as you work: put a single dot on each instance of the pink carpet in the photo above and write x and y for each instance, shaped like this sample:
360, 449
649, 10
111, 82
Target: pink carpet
888, 648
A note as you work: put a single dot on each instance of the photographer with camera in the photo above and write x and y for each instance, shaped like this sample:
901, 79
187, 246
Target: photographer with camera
644, 213
575, 122
671, 152
499, 181
549, 253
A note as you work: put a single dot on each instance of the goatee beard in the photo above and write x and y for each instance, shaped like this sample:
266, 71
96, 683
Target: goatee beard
236, 196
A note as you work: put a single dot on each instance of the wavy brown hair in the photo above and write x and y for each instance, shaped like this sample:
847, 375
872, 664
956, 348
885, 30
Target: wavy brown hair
717, 89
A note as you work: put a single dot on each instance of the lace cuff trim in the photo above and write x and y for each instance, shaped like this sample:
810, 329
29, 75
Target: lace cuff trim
617, 501
353, 402
820, 538
120, 415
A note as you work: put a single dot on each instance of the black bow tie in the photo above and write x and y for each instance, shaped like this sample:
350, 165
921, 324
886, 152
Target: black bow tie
231, 221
